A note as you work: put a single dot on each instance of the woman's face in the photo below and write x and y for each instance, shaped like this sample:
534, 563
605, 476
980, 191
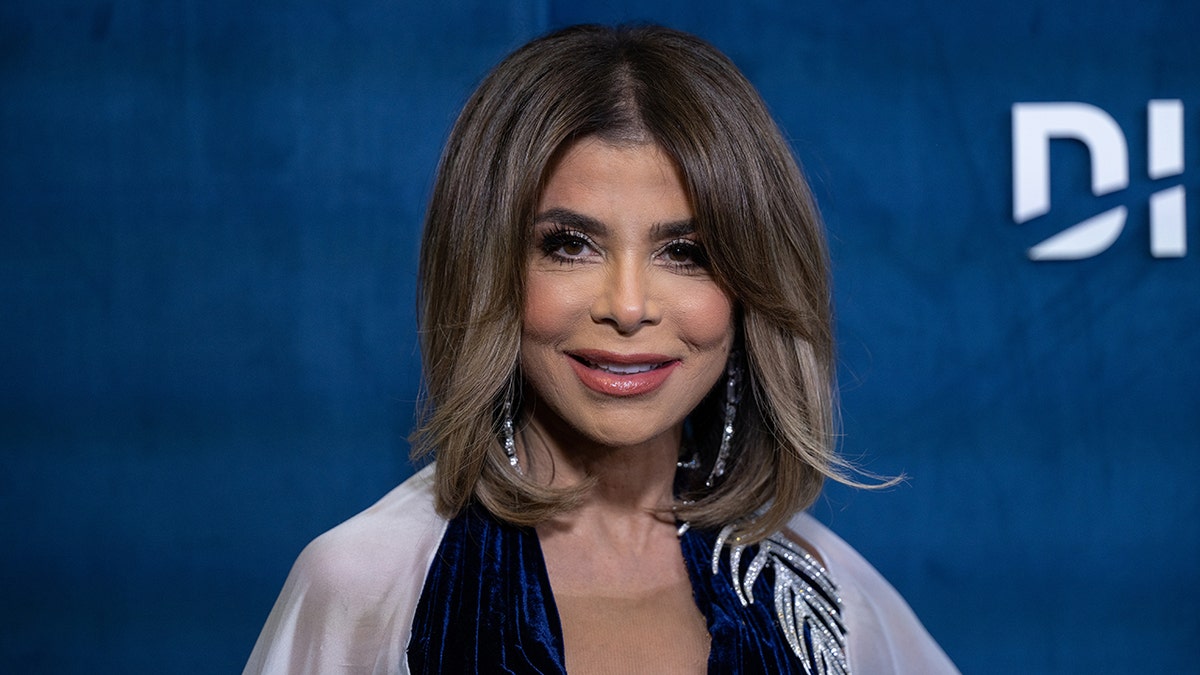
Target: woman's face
625, 330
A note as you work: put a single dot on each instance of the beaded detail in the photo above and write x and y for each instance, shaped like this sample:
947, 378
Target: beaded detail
807, 605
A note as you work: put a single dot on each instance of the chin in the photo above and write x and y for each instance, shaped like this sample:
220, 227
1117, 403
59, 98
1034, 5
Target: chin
615, 429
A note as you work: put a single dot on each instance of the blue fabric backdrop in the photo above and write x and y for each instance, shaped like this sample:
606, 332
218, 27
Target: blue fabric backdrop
209, 215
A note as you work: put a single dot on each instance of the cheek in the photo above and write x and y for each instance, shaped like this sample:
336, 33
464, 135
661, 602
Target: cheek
550, 309
544, 310
706, 319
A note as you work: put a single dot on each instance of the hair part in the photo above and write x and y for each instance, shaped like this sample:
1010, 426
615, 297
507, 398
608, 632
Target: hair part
753, 210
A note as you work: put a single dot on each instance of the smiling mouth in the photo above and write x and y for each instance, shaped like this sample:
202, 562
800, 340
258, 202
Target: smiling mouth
619, 368
622, 375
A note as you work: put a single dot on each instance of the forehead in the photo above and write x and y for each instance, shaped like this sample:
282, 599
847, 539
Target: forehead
616, 178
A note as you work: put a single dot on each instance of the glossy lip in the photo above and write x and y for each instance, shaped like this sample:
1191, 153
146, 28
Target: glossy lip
616, 384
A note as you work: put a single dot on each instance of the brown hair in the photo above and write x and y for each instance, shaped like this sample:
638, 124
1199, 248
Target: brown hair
752, 208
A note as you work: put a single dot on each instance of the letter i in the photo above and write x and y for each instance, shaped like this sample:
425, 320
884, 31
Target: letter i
1168, 219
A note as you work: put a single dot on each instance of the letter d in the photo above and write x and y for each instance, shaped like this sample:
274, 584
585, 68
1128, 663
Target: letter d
1033, 126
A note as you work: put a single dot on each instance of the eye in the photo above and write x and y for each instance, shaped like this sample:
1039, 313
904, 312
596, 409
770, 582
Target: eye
566, 245
573, 247
684, 254
679, 253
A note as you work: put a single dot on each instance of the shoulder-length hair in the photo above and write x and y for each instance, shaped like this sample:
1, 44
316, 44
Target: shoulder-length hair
753, 210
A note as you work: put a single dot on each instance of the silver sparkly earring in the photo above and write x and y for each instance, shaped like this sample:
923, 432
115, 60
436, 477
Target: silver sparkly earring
733, 393
510, 443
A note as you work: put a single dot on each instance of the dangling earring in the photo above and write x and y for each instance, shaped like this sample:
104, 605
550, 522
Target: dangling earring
733, 393
510, 444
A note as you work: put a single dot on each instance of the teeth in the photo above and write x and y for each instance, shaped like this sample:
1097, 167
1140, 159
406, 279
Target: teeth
617, 369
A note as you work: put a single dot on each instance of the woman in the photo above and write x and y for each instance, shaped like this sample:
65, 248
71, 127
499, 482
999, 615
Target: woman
627, 343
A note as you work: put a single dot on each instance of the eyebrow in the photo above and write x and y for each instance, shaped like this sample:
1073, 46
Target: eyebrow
676, 228
589, 225
573, 220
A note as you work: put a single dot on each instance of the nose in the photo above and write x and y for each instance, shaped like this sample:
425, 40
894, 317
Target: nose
627, 300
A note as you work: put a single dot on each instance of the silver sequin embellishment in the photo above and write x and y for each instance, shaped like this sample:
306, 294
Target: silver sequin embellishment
807, 604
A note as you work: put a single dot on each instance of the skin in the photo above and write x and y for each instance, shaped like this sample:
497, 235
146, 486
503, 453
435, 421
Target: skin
615, 273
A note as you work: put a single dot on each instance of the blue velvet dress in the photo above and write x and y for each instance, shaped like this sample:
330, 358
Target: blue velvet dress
487, 606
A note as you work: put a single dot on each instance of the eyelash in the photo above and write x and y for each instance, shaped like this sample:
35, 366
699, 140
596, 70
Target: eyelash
553, 241
694, 250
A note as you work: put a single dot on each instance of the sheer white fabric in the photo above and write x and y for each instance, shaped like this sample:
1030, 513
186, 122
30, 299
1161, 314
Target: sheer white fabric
883, 635
347, 605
